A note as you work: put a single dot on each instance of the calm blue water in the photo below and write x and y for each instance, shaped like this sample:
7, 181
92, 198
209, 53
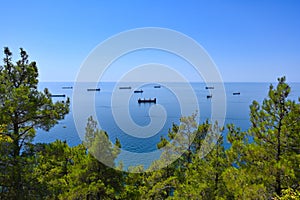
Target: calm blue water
237, 110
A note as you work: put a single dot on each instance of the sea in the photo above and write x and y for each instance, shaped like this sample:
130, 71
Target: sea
120, 117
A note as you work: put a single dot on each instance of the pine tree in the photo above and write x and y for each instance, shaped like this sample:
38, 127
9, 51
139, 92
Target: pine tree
265, 159
23, 109
275, 128
89, 177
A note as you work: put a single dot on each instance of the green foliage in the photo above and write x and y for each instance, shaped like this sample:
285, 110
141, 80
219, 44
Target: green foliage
99, 145
275, 129
289, 194
190, 176
261, 163
88, 177
23, 109
52, 168
266, 157
203, 177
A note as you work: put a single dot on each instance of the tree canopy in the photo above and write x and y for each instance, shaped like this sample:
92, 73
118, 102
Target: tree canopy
23, 109
262, 162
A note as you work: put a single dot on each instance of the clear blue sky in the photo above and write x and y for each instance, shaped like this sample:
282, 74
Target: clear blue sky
255, 40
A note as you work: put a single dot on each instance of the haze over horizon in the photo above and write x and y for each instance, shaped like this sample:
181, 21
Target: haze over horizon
255, 41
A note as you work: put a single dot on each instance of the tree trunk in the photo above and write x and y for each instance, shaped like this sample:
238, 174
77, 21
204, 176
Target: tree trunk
17, 189
278, 173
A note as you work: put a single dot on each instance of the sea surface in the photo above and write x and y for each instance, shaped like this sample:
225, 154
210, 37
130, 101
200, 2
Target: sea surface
237, 109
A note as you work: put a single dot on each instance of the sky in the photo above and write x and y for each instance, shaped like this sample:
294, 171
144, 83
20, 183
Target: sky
249, 41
